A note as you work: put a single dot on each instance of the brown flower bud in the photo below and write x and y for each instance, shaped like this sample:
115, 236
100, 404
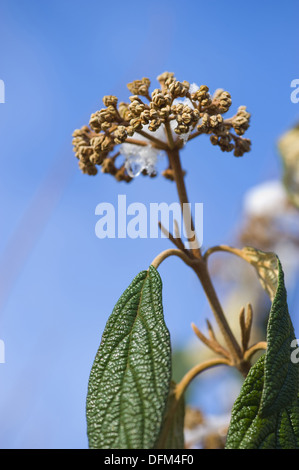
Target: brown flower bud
110, 100
139, 87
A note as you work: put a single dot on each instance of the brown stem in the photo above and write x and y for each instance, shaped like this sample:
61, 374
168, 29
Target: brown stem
192, 373
194, 134
180, 390
202, 272
136, 142
175, 163
159, 144
211, 343
171, 252
232, 344
169, 135
253, 349
177, 241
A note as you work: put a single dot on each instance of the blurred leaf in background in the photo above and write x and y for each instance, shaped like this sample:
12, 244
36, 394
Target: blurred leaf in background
288, 146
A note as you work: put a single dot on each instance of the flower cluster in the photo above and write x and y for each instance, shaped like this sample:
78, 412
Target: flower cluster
162, 120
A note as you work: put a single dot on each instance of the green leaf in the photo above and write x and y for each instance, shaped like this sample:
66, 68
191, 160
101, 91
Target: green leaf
281, 374
249, 430
266, 413
130, 378
172, 432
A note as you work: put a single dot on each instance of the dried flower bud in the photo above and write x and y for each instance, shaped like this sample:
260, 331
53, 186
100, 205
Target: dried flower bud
145, 116
202, 95
108, 166
168, 174
160, 99
97, 141
166, 76
136, 108
198, 114
139, 87
154, 125
130, 131
123, 110
88, 169
181, 129
122, 175
179, 89
136, 124
120, 135
241, 146
95, 122
222, 102
240, 122
110, 100
96, 159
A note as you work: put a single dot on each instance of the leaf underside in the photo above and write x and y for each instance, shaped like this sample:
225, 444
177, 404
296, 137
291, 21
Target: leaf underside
130, 378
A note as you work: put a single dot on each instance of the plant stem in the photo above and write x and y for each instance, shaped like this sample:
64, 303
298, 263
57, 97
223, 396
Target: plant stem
216, 307
175, 163
180, 390
192, 373
159, 144
253, 349
171, 252
201, 270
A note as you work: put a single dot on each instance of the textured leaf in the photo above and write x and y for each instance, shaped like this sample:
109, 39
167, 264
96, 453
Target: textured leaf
172, 432
281, 374
266, 413
248, 430
130, 378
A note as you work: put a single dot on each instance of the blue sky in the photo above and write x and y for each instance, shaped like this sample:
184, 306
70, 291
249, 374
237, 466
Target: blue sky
59, 282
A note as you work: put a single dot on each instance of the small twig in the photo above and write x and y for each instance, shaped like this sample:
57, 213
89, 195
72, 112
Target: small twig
172, 252
169, 136
253, 349
136, 142
114, 157
225, 248
181, 388
195, 134
159, 144
211, 331
176, 229
211, 343
177, 241
192, 373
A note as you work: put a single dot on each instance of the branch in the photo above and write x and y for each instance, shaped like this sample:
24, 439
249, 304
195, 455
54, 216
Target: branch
172, 252
253, 349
